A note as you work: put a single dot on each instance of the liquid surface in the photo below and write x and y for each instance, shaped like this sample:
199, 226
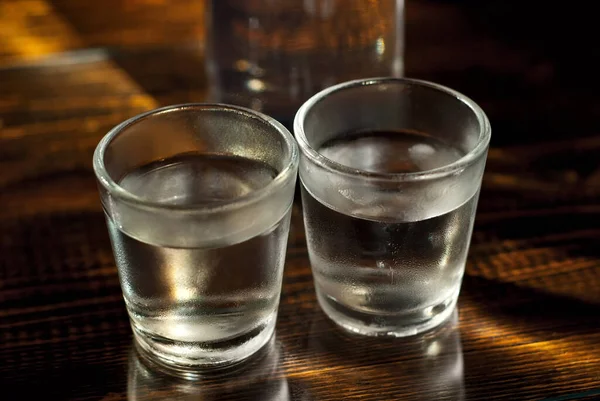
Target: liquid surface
201, 305
387, 276
390, 152
192, 179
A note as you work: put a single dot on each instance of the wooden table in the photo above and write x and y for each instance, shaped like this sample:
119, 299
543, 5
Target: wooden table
529, 315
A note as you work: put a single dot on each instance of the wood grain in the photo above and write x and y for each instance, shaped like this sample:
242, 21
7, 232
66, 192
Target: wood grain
528, 326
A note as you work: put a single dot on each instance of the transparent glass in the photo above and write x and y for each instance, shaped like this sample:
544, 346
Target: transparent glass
261, 378
390, 171
272, 55
197, 200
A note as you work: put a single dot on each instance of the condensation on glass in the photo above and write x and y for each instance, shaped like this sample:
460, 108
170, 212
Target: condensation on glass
390, 171
198, 201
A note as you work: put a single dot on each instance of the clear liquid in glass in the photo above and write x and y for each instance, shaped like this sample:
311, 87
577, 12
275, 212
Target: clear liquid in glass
391, 274
202, 305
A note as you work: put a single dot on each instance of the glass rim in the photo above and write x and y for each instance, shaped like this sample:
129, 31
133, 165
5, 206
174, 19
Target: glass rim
458, 165
114, 189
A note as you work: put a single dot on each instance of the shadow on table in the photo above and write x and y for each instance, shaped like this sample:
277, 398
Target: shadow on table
56, 258
538, 260
520, 347
91, 366
531, 309
63, 320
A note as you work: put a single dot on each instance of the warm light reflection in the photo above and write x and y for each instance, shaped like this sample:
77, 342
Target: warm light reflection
186, 281
30, 29
97, 83
433, 349
359, 23
256, 85
380, 46
503, 335
68, 91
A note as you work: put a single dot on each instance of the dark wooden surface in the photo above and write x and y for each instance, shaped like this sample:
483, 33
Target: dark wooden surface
528, 326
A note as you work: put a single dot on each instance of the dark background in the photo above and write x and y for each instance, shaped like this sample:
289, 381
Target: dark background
528, 322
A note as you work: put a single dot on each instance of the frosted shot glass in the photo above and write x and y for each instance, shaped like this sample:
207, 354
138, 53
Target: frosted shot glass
391, 170
197, 199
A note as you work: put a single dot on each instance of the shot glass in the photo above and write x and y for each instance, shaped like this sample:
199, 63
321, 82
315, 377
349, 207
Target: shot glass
391, 170
197, 200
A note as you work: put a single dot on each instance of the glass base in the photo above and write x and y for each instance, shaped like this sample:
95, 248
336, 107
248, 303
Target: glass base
191, 359
391, 325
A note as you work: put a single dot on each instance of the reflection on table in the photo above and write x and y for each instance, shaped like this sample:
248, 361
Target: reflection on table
259, 378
